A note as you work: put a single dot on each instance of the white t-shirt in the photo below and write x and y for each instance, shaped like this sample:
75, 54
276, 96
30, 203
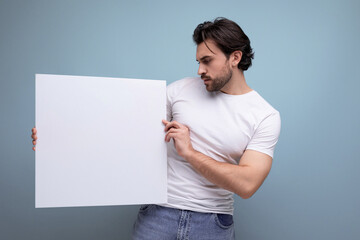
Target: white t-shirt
222, 126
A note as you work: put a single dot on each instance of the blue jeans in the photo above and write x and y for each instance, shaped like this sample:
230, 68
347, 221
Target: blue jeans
162, 223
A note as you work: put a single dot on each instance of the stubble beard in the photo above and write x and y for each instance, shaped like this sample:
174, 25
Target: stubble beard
216, 84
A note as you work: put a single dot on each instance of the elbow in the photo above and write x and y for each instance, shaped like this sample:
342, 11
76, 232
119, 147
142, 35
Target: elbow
247, 193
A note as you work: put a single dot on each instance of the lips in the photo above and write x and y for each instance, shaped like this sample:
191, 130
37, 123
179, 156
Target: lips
206, 79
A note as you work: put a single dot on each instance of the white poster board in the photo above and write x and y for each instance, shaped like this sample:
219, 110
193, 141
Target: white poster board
100, 141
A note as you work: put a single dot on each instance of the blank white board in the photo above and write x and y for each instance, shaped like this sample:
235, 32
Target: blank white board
100, 141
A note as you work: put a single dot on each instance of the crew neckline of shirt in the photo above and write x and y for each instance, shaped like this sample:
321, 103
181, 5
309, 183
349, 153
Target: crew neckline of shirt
220, 93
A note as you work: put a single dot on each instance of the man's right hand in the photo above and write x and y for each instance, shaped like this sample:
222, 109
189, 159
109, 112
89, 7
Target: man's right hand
34, 137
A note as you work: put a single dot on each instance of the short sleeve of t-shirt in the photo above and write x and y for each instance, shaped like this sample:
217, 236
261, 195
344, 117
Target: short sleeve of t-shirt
172, 90
266, 135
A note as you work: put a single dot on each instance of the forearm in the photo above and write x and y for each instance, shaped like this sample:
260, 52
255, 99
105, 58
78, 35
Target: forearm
243, 179
240, 179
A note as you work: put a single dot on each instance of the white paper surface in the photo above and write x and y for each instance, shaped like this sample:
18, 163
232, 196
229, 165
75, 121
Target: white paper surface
100, 141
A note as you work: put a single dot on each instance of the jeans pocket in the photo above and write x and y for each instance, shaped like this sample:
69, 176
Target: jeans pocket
224, 220
144, 208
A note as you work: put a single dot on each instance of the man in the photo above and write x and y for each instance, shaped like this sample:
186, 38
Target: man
221, 136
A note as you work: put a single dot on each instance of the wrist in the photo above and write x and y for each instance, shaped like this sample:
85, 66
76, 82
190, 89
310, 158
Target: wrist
188, 155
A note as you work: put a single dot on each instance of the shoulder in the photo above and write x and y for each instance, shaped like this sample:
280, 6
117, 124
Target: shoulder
259, 104
271, 117
184, 82
262, 111
178, 86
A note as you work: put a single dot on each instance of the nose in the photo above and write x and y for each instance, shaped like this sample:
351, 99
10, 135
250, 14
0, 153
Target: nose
201, 69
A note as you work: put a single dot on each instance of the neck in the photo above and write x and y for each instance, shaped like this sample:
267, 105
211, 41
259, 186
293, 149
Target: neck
237, 84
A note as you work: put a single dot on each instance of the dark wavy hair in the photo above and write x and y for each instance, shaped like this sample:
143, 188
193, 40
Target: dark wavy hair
228, 36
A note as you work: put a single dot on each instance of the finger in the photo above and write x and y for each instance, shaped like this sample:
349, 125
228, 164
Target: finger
34, 130
171, 130
166, 123
34, 136
34, 142
167, 138
170, 135
172, 124
34, 148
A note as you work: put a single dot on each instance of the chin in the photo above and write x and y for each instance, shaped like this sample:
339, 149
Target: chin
209, 88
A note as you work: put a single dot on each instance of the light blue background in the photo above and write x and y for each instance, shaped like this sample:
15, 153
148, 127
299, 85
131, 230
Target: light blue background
306, 65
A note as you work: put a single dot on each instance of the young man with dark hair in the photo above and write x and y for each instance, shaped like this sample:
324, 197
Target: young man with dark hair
221, 137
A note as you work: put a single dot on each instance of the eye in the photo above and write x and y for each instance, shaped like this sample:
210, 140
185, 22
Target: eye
206, 61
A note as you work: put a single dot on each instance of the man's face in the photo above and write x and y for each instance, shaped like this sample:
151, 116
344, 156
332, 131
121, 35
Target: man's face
214, 67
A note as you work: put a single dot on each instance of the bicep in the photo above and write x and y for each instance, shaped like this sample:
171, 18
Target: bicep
257, 163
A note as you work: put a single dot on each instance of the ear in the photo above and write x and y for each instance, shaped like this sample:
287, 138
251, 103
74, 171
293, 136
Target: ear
235, 58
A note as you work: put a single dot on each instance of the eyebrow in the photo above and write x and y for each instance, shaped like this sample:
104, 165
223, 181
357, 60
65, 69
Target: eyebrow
203, 58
